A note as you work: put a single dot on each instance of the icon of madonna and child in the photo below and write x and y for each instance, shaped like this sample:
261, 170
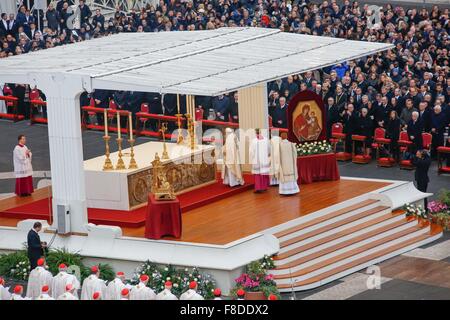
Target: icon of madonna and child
307, 120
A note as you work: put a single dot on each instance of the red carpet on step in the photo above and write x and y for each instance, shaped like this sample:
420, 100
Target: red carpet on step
190, 200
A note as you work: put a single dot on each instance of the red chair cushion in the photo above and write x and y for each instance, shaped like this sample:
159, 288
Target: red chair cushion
382, 140
405, 142
445, 169
443, 149
338, 135
358, 137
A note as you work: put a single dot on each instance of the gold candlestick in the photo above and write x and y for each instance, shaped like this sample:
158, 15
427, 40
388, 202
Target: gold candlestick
180, 136
108, 163
191, 130
163, 130
133, 164
120, 164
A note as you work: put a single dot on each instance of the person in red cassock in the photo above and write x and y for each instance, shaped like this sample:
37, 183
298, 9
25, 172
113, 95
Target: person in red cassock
22, 168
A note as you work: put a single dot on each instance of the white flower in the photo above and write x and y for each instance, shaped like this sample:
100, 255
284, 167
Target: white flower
24, 270
166, 269
175, 285
168, 278
195, 279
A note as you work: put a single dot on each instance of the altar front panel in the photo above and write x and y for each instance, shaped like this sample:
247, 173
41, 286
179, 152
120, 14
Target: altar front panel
127, 189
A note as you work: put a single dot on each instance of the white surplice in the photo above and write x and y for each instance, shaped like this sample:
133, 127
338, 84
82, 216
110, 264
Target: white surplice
142, 292
191, 295
91, 285
67, 296
44, 296
166, 294
288, 174
259, 154
22, 163
4, 293
38, 278
61, 280
114, 289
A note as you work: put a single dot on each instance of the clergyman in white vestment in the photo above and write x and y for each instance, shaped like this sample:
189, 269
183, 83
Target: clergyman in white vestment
259, 153
191, 294
4, 291
114, 288
93, 284
274, 155
22, 168
141, 291
62, 279
231, 167
38, 278
288, 173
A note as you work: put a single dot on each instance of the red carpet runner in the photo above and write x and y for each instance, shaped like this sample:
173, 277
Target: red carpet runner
136, 218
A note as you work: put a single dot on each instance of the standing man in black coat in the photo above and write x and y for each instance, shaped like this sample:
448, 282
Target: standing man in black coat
35, 246
415, 129
332, 115
422, 163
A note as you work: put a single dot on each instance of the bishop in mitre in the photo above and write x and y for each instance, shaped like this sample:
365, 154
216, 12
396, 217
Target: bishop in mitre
192, 293
231, 167
141, 291
62, 279
4, 291
38, 278
93, 284
274, 153
259, 154
286, 162
166, 294
115, 287
70, 293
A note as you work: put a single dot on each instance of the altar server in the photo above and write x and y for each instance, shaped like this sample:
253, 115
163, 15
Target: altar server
287, 174
115, 287
141, 291
70, 293
231, 167
191, 294
275, 157
17, 293
166, 294
22, 168
125, 294
62, 279
260, 160
92, 284
38, 278
217, 294
45, 294
4, 291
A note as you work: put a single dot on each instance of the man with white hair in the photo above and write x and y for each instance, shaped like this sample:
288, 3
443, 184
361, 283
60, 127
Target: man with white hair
70, 293
38, 278
438, 123
114, 288
231, 167
4, 291
62, 279
141, 291
166, 294
415, 129
191, 294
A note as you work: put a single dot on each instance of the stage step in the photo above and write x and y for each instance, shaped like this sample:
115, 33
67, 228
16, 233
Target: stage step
336, 244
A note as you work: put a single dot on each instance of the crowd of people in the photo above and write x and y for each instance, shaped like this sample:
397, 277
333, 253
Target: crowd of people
405, 88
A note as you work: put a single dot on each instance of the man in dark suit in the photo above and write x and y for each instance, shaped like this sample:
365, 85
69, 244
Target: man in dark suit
35, 246
279, 118
332, 115
422, 163
415, 129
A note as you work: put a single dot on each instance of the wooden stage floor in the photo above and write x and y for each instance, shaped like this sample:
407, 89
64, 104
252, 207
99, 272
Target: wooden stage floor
244, 214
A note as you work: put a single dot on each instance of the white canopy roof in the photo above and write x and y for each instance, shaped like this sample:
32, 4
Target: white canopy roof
191, 62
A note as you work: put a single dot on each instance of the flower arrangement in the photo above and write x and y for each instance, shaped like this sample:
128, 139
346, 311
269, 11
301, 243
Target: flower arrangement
179, 277
15, 265
316, 147
413, 210
440, 209
257, 279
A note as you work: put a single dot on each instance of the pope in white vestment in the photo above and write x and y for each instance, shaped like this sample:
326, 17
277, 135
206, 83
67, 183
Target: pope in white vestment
38, 278
93, 284
231, 166
166, 294
141, 291
288, 173
23, 170
62, 279
259, 153
115, 287
4, 291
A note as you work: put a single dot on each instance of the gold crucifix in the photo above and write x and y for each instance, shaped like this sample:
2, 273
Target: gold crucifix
163, 130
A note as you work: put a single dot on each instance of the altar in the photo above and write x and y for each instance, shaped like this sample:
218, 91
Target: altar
128, 189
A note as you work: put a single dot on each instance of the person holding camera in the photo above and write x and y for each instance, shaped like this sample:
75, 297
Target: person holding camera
422, 162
